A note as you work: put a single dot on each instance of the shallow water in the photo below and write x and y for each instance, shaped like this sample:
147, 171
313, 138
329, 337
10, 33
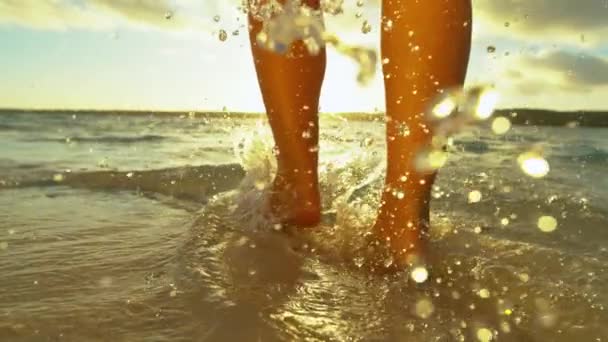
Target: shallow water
154, 234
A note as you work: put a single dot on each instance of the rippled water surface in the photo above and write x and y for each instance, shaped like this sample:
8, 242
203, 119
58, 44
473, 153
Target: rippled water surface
133, 228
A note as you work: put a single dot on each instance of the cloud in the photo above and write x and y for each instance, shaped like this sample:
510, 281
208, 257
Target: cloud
44, 14
583, 19
575, 69
558, 79
104, 14
151, 12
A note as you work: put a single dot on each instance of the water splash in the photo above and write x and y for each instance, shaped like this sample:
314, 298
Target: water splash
452, 112
366, 58
285, 24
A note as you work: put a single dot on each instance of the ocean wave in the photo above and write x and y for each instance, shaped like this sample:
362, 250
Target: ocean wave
582, 153
108, 139
192, 183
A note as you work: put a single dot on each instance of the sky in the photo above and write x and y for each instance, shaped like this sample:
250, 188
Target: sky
166, 55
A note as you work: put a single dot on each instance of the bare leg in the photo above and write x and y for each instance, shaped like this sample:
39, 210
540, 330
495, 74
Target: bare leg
427, 50
291, 85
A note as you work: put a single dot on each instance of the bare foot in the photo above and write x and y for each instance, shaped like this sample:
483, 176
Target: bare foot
295, 200
402, 227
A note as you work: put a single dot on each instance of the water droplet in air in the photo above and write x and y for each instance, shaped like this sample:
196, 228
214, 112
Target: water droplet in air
419, 274
388, 25
216, 18
547, 224
484, 335
444, 108
366, 27
403, 129
430, 160
474, 196
168, 15
533, 164
424, 308
484, 293
486, 103
58, 178
359, 3
223, 35
491, 49
501, 125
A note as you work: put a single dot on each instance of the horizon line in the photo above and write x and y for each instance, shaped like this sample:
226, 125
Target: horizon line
209, 111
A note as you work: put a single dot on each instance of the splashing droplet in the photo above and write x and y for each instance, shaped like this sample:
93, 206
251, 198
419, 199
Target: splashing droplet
419, 274
403, 129
223, 35
444, 108
501, 125
388, 25
491, 49
399, 194
484, 335
365, 58
474, 196
533, 164
547, 224
431, 160
424, 308
366, 27
486, 104
484, 293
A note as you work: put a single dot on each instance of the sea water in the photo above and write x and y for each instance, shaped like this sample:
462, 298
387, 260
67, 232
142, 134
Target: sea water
133, 227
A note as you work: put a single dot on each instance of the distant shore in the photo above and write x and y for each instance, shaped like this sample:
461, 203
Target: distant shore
528, 117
